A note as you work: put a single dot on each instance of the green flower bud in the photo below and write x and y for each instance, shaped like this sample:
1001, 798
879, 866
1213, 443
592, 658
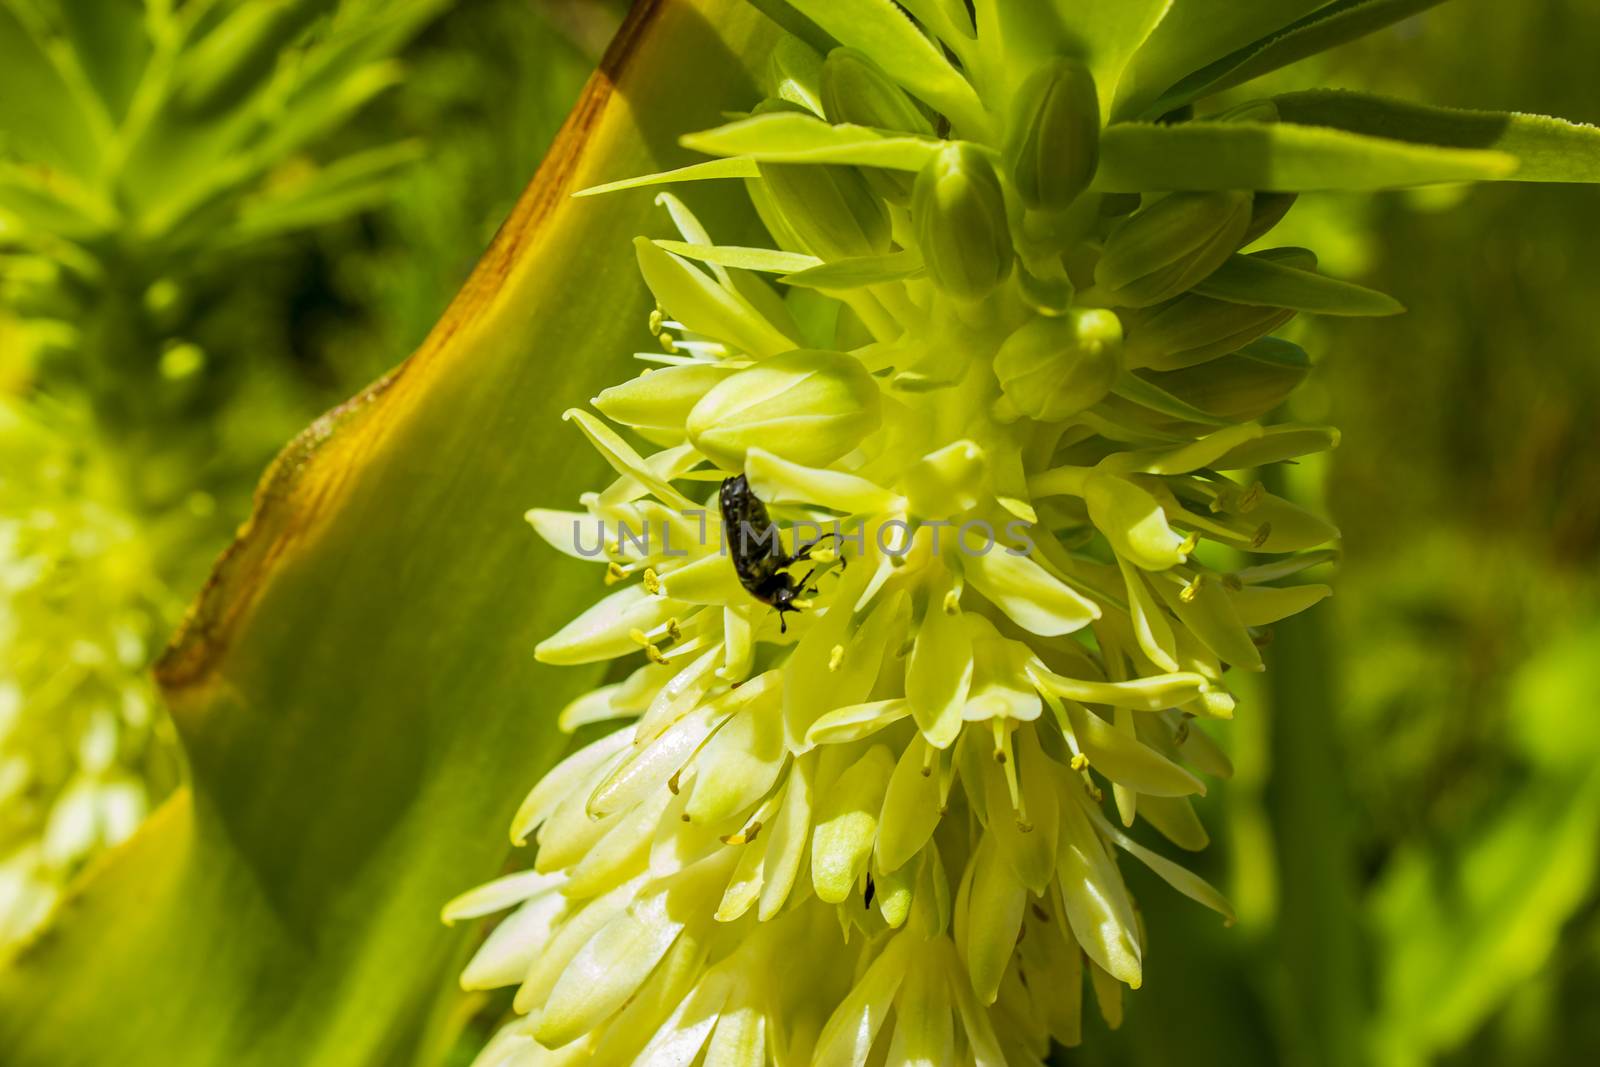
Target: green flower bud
661, 399
1267, 211
1055, 144
831, 209
1242, 385
856, 90
962, 228
1170, 246
808, 407
1196, 329
1053, 368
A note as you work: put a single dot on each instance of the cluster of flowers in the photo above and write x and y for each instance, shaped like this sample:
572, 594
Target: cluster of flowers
881, 833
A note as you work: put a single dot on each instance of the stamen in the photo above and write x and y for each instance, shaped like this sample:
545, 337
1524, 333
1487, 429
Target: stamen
1080, 762
656, 319
1262, 535
952, 602
835, 658
1191, 590
652, 582
1190, 543
615, 572
745, 836
1251, 498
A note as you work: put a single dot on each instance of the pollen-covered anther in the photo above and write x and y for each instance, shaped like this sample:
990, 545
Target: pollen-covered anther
1262, 535
652, 582
1190, 543
657, 318
835, 657
1080, 762
1191, 590
745, 836
615, 572
952, 602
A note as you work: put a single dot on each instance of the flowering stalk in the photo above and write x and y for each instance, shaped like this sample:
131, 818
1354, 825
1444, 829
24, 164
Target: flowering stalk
1012, 362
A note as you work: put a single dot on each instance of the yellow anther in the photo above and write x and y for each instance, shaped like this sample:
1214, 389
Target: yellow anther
654, 654
656, 319
652, 582
1190, 543
1190, 591
615, 572
745, 836
614, 547
1080, 762
673, 632
672, 783
952, 603
637, 636
1262, 535
835, 657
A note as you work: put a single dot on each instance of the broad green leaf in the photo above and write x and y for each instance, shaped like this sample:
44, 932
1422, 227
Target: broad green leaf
1192, 36
790, 137
1258, 279
357, 689
880, 29
1324, 28
1549, 150
1282, 157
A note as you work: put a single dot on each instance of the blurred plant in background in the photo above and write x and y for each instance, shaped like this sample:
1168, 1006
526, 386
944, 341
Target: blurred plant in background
211, 229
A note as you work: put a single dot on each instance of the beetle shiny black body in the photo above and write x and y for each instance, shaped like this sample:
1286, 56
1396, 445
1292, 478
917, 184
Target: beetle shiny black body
755, 545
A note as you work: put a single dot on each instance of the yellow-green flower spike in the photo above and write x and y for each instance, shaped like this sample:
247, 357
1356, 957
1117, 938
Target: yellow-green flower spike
995, 385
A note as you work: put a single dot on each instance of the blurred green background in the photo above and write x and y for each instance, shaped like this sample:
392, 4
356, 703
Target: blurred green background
1411, 836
